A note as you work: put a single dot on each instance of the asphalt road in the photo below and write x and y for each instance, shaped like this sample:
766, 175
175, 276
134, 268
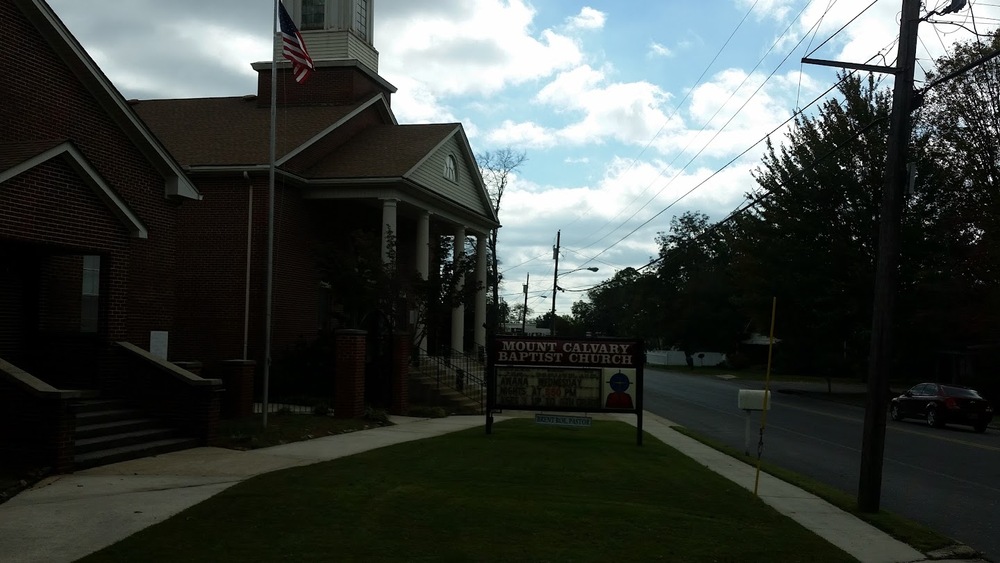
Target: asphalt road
947, 479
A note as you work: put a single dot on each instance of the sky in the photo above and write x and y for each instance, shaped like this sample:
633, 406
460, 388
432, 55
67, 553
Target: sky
629, 112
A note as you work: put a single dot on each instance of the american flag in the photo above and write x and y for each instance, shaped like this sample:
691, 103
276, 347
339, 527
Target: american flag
293, 47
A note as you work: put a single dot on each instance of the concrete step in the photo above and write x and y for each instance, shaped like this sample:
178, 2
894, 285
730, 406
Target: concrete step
113, 441
134, 451
98, 404
84, 431
111, 430
456, 401
91, 417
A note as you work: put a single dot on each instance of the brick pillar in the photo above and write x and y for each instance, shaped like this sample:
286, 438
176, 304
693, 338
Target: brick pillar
237, 378
36, 432
57, 436
203, 410
349, 384
401, 346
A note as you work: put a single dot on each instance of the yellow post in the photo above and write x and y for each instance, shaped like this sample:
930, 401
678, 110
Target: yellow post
767, 392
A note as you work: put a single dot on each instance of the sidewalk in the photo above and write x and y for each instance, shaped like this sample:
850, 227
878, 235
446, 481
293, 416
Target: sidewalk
67, 517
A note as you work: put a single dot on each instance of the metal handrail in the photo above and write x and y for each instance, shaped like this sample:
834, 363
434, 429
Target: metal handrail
464, 374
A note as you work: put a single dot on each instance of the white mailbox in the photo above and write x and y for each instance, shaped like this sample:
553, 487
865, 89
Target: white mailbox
753, 400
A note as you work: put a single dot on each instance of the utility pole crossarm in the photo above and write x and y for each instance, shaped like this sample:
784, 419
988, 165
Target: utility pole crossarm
853, 66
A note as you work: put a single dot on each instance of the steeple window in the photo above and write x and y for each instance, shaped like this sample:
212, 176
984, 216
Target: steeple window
313, 14
361, 19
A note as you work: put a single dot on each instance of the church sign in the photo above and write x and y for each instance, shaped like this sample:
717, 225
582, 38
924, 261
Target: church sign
590, 375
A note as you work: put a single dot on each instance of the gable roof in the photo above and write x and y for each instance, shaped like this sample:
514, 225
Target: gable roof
235, 131
383, 151
107, 96
209, 134
18, 158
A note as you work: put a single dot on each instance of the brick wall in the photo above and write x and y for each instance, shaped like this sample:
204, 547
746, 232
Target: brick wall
327, 85
212, 275
54, 211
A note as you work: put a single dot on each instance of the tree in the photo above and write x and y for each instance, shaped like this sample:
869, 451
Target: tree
497, 169
950, 283
695, 308
618, 307
810, 240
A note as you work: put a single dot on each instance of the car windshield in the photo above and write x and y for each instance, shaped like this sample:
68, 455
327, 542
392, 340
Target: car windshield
960, 392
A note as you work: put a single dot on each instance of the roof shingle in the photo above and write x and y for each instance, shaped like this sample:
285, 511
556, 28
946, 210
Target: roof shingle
232, 131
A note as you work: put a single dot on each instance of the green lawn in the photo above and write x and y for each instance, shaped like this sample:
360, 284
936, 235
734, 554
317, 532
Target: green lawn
525, 493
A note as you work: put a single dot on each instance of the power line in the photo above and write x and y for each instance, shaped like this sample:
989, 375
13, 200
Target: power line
667, 120
719, 132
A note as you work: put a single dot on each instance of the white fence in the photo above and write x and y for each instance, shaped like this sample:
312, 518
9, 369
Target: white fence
676, 358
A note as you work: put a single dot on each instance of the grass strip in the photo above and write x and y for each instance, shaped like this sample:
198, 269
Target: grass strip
917, 535
525, 493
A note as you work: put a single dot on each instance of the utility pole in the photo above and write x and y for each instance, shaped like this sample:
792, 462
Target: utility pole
886, 273
524, 312
555, 283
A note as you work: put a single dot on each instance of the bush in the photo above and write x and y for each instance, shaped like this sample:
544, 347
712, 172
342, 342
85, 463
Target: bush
378, 416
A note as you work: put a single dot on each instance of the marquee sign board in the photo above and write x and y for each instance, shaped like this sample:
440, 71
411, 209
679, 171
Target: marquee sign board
565, 375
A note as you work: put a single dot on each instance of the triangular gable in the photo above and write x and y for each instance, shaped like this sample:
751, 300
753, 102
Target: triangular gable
104, 92
468, 188
378, 102
78, 163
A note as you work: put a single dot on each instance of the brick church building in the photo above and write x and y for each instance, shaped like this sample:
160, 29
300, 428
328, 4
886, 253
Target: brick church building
134, 233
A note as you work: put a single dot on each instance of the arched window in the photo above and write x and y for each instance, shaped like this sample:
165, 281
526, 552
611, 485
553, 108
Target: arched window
449, 168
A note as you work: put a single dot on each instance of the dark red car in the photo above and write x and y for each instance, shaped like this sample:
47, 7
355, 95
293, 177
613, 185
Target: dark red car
943, 404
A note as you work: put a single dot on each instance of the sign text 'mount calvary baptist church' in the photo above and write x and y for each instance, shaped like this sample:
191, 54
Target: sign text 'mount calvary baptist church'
589, 375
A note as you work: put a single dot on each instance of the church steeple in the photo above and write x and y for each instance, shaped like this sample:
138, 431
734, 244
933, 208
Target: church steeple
336, 30
339, 37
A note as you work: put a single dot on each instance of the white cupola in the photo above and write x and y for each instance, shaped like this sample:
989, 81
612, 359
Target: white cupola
335, 30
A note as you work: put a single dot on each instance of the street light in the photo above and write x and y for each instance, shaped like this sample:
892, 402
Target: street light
556, 289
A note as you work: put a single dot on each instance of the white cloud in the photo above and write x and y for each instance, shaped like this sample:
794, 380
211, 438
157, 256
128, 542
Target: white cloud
225, 46
777, 10
482, 49
658, 50
420, 105
597, 112
588, 18
524, 134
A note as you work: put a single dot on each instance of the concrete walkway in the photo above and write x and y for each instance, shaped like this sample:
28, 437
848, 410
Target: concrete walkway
66, 517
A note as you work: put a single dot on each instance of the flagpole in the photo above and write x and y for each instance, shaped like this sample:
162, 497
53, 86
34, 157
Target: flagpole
270, 212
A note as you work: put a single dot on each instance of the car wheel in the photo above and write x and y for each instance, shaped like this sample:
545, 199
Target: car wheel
933, 419
980, 428
894, 412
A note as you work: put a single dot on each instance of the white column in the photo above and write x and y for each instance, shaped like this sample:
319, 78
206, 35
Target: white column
480, 329
458, 313
423, 252
388, 227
